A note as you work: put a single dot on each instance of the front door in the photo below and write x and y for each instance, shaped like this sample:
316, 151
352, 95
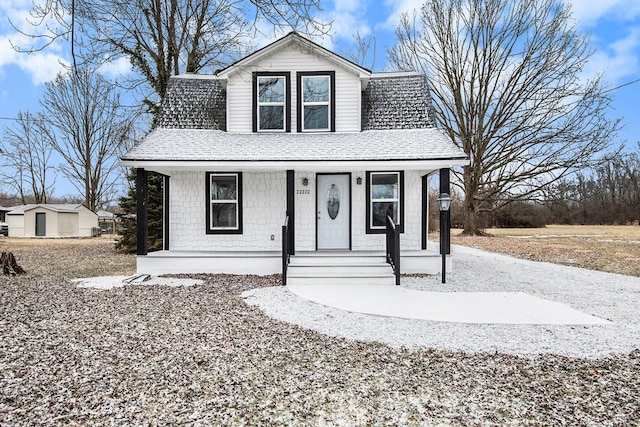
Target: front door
334, 211
41, 224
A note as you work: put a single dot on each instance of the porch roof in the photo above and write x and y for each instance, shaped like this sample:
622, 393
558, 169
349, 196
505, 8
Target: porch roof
202, 147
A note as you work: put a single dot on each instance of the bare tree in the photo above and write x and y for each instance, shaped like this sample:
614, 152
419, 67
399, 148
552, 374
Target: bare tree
506, 79
162, 38
26, 158
88, 129
363, 51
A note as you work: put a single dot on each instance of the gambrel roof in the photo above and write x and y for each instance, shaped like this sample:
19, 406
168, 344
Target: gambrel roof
396, 123
390, 101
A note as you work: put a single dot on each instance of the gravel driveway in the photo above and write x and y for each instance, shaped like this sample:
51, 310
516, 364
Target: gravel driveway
200, 355
608, 296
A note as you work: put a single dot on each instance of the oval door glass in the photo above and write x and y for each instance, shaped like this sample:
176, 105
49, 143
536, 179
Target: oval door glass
333, 201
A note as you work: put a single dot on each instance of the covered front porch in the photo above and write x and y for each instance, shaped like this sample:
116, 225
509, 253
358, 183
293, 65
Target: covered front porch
225, 215
295, 252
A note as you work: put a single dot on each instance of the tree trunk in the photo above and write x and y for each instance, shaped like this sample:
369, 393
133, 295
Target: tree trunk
9, 264
470, 219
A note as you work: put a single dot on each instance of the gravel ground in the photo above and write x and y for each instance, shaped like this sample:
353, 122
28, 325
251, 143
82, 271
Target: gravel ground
200, 355
605, 295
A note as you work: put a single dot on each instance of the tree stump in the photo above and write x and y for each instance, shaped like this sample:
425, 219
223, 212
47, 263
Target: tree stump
9, 264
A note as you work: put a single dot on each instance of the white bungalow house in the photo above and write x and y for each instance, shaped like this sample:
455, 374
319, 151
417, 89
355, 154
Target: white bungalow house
294, 150
51, 220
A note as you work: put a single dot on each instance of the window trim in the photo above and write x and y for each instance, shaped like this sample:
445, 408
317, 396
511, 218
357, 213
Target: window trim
369, 220
208, 201
332, 99
287, 100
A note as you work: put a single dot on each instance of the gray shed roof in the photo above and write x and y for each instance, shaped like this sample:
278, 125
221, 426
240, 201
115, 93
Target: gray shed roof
215, 145
68, 208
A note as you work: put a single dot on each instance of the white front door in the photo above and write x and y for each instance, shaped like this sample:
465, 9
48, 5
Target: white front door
334, 211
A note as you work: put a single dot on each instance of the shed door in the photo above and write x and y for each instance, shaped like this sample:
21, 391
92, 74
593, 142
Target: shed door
41, 224
334, 212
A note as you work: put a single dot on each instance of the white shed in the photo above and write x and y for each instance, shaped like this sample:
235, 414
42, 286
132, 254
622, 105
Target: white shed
49, 220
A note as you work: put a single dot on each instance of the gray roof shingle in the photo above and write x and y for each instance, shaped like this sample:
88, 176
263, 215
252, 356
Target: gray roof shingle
216, 145
194, 102
396, 101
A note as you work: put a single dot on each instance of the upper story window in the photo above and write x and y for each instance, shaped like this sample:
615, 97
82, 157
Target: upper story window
316, 101
271, 102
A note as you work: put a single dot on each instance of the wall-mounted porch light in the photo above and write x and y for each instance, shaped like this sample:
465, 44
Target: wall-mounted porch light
359, 180
305, 181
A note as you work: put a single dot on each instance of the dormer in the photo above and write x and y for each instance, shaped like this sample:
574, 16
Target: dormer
294, 85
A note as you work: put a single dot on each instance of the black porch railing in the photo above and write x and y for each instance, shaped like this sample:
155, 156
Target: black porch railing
393, 247
286, 250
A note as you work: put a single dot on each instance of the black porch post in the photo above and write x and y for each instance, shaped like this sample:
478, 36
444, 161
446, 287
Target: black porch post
445, 216
142, 217
291, 184
425, 210
165, 212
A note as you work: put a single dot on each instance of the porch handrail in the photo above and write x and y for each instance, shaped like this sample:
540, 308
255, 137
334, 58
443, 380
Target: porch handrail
393, 247
286, 253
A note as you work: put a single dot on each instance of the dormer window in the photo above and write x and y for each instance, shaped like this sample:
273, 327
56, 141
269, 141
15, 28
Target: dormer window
271, 100
316, 101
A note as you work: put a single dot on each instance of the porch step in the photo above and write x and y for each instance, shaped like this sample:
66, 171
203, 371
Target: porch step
339, 269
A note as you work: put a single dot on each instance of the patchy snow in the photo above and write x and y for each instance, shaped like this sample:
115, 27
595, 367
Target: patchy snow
110, 282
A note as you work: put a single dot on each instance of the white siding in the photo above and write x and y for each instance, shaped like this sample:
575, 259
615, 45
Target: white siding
67, 224
264, 205
86, 221
411, 239
16, 225
292, 59
263, 210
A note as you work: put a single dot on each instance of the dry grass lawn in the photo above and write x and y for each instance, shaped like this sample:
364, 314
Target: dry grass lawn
608, 248
99, 257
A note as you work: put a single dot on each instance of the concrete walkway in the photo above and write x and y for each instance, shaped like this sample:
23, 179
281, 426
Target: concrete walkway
460, 307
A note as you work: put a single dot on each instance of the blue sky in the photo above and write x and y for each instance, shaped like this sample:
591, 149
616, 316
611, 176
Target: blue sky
614, 26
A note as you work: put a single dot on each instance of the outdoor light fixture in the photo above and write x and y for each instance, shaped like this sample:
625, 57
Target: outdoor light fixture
305, 181
359, 180
444, 203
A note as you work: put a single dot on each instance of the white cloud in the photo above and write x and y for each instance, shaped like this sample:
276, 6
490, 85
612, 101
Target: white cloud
588, 12
121, 66
398, 7
619, 60
40, 66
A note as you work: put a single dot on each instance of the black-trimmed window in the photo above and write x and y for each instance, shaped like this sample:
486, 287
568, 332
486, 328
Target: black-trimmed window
224, 202
316, 101
271, 102
385, 196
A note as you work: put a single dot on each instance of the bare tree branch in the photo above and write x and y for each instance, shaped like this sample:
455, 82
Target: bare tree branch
87, 131
26, 158
506, 79
165, 38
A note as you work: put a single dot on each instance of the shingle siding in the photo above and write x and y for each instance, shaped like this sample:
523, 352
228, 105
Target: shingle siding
194, 103
396, 102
